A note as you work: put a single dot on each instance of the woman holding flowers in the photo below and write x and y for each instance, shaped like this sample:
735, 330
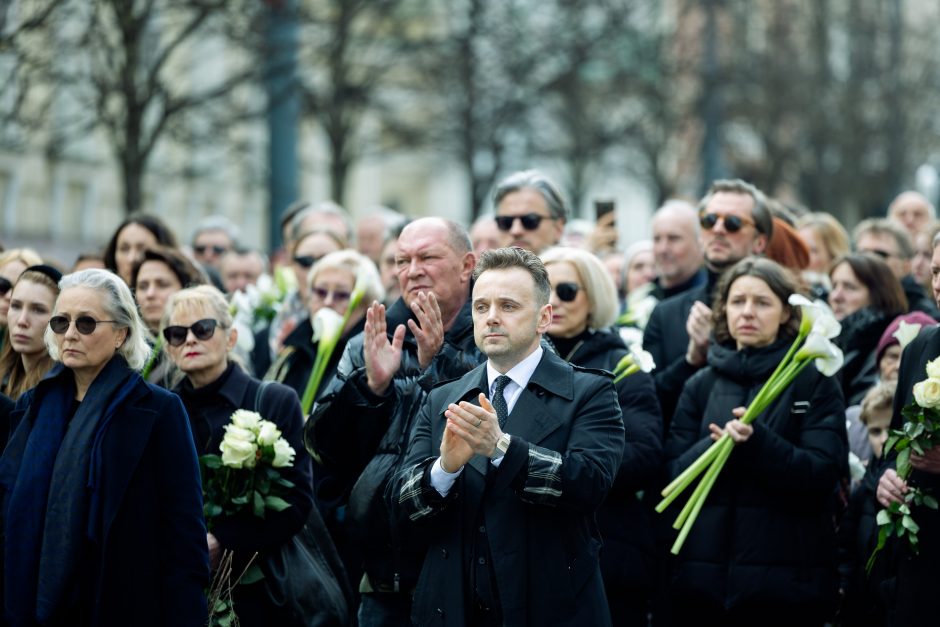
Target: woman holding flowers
330, 285
762, 551
99, 485
198, 336
584, 304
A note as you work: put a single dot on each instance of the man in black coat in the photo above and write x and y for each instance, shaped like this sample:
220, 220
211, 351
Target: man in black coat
917, 577
360, 426
735, 223
677, 249
510, 514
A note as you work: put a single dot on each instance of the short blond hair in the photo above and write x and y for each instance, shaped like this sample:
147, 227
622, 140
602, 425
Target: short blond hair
598, 286
878, 398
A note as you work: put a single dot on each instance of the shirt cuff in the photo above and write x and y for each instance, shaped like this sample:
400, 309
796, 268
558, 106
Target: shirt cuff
441, 480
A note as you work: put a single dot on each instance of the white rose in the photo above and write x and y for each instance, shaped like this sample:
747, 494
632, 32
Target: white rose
283, 454
238, 453
927, 393
268, 434
237, 433
933, 368
245, 419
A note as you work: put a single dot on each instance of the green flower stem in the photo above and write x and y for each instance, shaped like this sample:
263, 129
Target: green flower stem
157, 347
708, 481
627, 372
700, 488
694, 470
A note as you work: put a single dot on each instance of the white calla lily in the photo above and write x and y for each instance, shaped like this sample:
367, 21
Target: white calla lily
642, 358
828, 356
816, 317
906, 333
327, 326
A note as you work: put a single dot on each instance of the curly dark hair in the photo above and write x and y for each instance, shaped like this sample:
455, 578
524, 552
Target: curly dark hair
161, 231
781, 282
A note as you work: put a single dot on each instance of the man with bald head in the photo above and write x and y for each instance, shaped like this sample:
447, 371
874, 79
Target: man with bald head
360, 427
735, 223
913, 211
676, 249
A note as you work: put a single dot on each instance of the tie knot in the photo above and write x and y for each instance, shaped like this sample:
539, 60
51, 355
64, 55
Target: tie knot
501, 382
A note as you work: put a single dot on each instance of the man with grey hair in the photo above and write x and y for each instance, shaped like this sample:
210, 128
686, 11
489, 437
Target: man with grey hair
241, 267
214, 236
735, 223
373, 229
676, 249
888, 240
324, 215
530, 211
361, 426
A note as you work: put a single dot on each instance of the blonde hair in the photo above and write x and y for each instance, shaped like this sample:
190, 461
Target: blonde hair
355, 262
834, 237
598, 286
878, 398
12, 370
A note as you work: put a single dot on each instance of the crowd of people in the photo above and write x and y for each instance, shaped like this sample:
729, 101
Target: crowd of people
469, 459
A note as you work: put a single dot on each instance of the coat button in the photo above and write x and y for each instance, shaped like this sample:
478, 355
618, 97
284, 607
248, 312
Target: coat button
482, 529
440, 612
444, 553
481, 561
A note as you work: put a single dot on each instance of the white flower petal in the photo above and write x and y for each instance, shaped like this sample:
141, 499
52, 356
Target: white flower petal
642, 358
327, 325
906, 333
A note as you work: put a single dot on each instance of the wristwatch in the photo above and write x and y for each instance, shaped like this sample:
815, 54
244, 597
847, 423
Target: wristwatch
502, 445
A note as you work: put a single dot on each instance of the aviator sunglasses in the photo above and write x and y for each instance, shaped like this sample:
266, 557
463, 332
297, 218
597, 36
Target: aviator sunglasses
732, 223
85, 325
202, 330
567, 292
530, 221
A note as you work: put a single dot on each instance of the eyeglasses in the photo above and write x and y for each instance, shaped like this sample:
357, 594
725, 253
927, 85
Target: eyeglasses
567, 292
732, 223
306, 261
202, 330
339, 296
85, 325
5, 286
530, 221
202, 248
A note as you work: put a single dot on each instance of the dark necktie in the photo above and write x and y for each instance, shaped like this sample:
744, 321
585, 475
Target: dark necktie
499, 401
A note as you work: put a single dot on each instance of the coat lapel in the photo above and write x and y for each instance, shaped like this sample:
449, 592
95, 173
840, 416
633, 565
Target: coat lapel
126, 440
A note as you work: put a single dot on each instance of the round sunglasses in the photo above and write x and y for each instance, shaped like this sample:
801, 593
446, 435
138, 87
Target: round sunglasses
202, 330
732, 223
85, 325
567, 291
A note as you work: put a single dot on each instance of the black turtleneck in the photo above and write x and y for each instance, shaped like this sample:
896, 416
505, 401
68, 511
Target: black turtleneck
197, 400
567, 346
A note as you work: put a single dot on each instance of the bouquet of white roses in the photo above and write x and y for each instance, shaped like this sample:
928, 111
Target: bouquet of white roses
921, 431
246, 476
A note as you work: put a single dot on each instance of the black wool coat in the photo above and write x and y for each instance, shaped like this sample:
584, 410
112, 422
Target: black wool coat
858, 340
765, 536
918, 577
567, 440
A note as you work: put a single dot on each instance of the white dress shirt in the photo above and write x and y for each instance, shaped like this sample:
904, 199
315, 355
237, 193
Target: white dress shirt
519, 374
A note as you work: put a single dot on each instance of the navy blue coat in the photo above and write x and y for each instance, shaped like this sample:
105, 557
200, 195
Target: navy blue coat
567, 441
152, 566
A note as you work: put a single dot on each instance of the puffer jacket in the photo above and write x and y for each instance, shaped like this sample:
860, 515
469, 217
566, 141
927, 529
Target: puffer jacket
363, 438
625, 524
765, 536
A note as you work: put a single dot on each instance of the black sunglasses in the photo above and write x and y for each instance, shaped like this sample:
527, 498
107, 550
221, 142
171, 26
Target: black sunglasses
202, 330
339, 296
732, 223
5, 286
567, 292
306, 261
530, 221
202, 248
86, 325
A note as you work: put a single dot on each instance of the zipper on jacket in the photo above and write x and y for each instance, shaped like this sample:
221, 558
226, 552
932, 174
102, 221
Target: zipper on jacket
397, 585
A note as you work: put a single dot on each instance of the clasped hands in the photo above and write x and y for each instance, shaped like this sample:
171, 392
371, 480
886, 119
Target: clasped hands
737, 430
470, 430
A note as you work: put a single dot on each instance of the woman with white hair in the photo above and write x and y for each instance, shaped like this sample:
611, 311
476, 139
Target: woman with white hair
100, 495
584, 304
